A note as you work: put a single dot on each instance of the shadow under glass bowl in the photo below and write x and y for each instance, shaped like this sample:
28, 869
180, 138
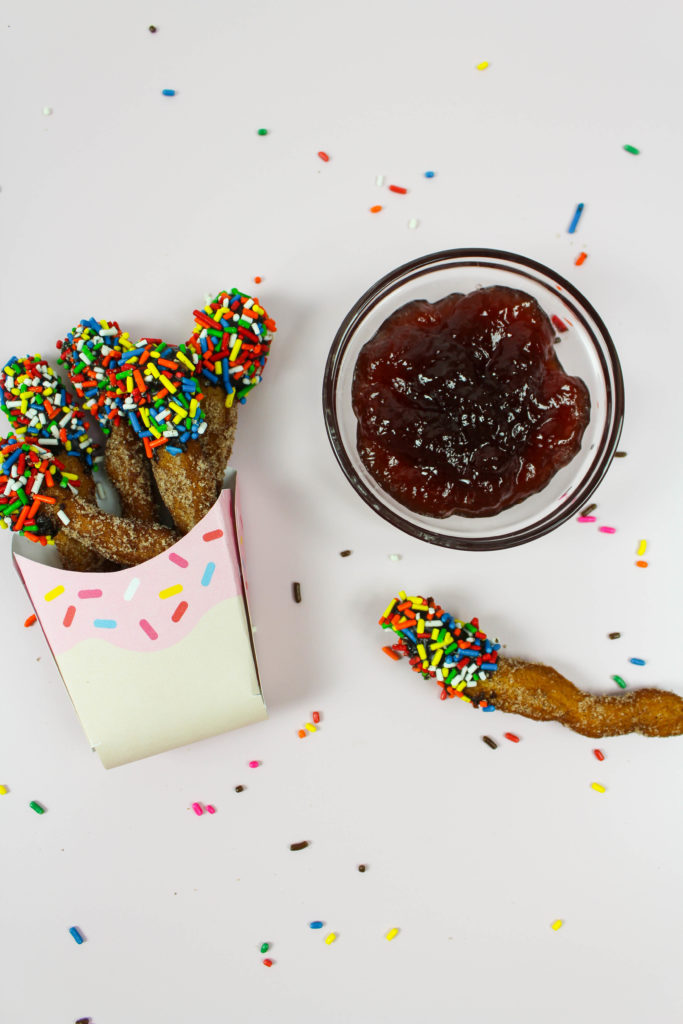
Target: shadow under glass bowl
585, 350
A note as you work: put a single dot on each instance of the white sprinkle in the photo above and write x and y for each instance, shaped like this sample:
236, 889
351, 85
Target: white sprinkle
131, 589
395, 558
379, 180
63, 516
47, 111
37, 483
413, 222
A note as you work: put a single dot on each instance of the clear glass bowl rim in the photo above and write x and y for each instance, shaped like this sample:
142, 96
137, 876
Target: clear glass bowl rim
382, 288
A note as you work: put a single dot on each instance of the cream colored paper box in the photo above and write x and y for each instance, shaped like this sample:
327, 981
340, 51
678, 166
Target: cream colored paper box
158, 655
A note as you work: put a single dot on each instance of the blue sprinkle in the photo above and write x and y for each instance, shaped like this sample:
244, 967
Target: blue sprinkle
208, 573
172, 450
429, 174
488, 708
637, 661
575, 219
210, 376
77, 935
105, 623
316, 924
168, 92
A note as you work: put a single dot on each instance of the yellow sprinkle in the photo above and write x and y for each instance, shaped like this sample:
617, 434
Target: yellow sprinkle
153, 369
129, 384
156, 434
235, 349
169, 385
597, 787
556, 925
3, 790
229, 399
642, 547
170, 591
183, 359
435, 634
218, 315
178, 408
421, 651
389, 608
461, 685
402, 595
193, 408
484, 64
311, 727
330, 938
55, 592
69, 476
145, 415
437, 658
391, 934
420, 626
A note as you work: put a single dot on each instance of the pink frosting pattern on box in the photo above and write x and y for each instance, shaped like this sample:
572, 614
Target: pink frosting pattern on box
147, 607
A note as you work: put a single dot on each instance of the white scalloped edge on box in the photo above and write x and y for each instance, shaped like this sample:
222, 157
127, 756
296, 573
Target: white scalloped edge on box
158, 655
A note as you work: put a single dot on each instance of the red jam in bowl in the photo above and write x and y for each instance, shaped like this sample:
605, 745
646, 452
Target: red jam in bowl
462, 405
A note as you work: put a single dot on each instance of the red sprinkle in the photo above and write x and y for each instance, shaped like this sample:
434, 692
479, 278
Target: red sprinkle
179, 612
511, 736
316, 716
398, 188
69, 616
581, 258
323, 156
268, 962
560, 324
30, 621
599, 754
212, 535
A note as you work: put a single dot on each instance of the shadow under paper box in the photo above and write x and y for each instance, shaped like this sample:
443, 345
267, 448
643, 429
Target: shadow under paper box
158, 655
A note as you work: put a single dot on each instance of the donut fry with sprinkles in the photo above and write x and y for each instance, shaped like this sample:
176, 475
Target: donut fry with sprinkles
466, 664
228, 349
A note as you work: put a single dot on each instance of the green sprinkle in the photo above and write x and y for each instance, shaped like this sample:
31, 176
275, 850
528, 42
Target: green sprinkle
619, 681
262, 131
632, 149
35, 806
265, 947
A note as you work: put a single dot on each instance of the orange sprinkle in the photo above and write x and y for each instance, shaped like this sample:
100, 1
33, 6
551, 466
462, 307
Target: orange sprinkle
581, 258
302, 734
375, 209
30, 621
641, 564
257, 280
391, 654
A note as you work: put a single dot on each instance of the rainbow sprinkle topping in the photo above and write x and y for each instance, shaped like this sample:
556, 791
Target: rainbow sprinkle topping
230, 343
25, 469
90, 352
457, 654
39, 407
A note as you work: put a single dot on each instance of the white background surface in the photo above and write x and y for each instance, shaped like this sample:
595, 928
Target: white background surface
129, 205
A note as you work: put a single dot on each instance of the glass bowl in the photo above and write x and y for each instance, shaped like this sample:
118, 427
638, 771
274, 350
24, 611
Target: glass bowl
585, 350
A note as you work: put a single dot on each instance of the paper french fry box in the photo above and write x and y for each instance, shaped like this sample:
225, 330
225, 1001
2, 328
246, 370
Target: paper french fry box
158, 655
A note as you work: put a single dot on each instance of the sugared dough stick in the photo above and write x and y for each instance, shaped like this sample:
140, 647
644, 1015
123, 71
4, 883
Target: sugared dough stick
465, 664
39, 497
90, 352
40, 409
162, 399
229, 347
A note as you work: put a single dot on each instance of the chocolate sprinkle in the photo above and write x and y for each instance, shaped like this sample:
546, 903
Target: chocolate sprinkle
490, 743
239, 789
296, 591
346, 553
299, 846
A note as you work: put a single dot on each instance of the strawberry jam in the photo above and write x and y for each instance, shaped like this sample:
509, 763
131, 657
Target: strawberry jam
462, 405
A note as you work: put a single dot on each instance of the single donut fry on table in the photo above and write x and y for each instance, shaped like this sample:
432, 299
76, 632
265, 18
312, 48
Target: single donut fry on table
40, 498
90, 353
466, 664
228, 348
41, 410
162, 398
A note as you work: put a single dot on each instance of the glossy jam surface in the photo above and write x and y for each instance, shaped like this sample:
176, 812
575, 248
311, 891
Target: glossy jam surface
462, 405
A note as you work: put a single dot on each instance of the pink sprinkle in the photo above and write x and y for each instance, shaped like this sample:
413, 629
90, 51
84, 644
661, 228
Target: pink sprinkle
213, 535
254, 764
89, 593
179, 612
149, 630
69, 617
178, 560
210, 809
197, 808
607, 529
586, 519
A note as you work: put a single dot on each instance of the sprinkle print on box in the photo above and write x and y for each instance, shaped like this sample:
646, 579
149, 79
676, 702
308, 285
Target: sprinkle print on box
142, 651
